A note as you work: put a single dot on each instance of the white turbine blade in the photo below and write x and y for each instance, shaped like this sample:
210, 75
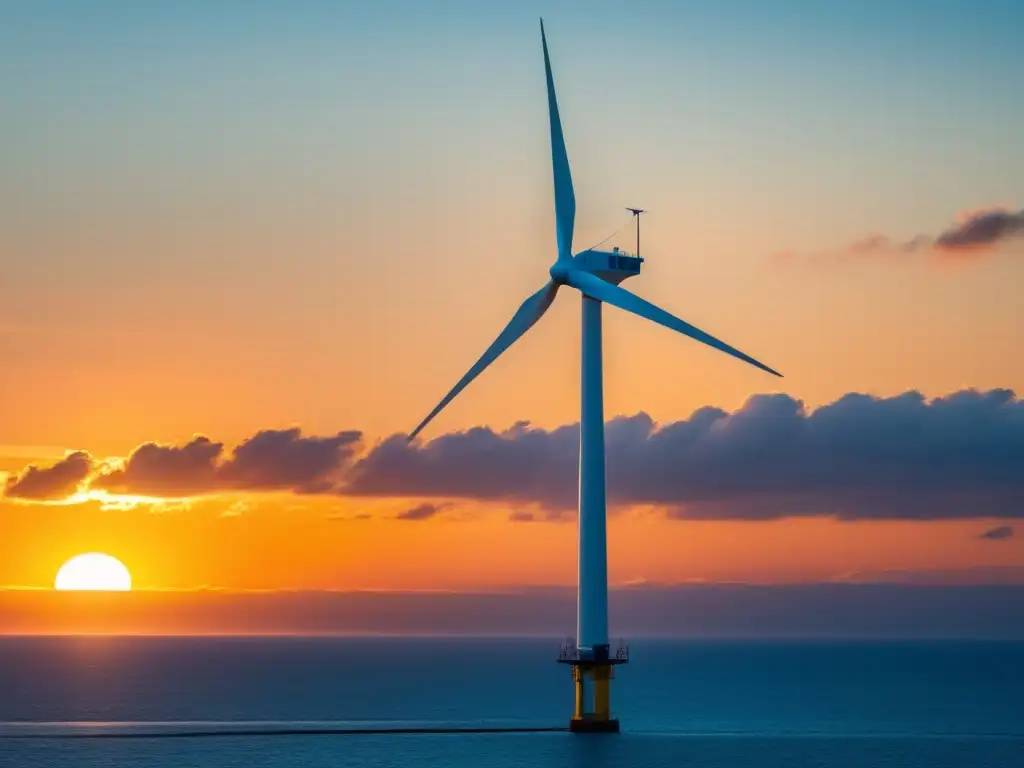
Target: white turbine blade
529, 313
565, 198
596, 288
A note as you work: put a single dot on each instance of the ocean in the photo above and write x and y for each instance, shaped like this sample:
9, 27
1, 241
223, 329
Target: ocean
690, 703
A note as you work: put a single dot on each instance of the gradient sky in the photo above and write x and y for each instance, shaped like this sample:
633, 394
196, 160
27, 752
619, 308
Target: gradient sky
219, 218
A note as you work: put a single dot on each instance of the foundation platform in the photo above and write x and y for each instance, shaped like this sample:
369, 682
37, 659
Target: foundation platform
592, 672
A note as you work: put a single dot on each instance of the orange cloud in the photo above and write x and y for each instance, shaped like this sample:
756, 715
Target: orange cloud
57, 481
271, 460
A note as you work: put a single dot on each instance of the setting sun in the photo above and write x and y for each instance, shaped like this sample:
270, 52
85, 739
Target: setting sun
93, 571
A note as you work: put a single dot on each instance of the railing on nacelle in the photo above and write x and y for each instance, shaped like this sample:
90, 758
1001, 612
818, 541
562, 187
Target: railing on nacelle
615, 251
615, 260
623, 252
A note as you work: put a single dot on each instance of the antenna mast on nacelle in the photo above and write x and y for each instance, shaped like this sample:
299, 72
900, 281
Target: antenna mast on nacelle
636, 215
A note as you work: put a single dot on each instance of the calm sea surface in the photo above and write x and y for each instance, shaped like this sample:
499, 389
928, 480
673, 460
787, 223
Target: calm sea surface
681, 703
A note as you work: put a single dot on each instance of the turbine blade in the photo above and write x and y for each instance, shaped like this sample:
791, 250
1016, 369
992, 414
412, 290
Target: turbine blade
565, 198
529, 313
596, 288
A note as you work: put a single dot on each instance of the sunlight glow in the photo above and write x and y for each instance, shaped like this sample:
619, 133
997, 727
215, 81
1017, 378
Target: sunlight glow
93, 571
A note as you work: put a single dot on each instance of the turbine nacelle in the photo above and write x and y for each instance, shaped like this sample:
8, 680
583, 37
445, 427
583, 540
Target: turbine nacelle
612, 266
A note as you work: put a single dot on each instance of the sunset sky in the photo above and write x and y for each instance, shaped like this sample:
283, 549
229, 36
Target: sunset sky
246, 246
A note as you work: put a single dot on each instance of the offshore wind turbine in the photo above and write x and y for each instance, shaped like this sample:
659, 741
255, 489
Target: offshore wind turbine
596, 275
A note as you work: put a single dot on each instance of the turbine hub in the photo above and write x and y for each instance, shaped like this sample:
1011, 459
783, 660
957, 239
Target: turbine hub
559, 272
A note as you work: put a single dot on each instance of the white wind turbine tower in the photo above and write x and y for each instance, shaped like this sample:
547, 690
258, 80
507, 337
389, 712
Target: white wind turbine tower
596, 275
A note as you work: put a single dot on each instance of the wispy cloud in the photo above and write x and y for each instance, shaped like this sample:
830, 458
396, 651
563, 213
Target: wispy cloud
998, 534
522, 516
424, 511
349, 517
975, 233
237, 509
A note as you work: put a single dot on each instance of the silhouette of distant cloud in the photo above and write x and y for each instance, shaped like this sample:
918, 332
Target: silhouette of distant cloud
959, 456
860, 457
997, 534
521, 516
421, 512
976, 232
269, 460
544, 514
166, 470
275, 459
881, 244
522, 463
54, 482
982, 229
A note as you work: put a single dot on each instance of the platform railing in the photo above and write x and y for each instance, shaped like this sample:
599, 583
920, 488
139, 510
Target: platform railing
569, 652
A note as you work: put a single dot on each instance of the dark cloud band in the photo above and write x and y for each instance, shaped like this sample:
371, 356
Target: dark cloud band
959, 456
903, 457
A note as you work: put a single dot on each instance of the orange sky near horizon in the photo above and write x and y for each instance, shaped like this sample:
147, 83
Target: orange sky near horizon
282, 542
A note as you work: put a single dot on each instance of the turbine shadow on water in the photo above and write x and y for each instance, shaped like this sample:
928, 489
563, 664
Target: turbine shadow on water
597, 276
